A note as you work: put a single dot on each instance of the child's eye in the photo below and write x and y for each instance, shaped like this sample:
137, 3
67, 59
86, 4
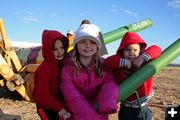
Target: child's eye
127, 49
82, 41
92, 42
135, 50
55, 49
61, 48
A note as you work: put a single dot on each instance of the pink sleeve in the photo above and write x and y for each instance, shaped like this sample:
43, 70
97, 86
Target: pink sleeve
81, 109
108, 95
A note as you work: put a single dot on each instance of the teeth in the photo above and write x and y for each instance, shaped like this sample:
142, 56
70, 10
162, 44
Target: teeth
87, 50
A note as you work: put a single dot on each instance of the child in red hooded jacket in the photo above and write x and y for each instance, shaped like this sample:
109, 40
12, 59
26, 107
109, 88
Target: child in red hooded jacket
46, 93
131, 54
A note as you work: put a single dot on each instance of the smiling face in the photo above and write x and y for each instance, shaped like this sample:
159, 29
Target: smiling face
86, 48
58, 50
132, 51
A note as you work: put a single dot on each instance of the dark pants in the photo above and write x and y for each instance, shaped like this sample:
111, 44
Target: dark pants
50, 114
129, 113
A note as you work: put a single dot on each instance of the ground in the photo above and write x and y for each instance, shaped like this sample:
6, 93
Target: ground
166, 86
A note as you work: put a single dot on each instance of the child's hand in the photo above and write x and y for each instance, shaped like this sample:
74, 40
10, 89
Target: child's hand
63, 114
137, 62
128, 64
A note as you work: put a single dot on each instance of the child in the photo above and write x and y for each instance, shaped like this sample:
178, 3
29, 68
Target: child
70, 35
90, 92
46, 91
103, 49
131, 54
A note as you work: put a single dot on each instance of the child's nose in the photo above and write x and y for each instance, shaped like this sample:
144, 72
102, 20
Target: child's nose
87, 44
131, 53
59, 50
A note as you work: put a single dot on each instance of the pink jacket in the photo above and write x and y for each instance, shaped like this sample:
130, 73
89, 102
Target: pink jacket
82, 93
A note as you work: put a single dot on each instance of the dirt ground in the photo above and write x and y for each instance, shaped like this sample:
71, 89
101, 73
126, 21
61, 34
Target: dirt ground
166, 86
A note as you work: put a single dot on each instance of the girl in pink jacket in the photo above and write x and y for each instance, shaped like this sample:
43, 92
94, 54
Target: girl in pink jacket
90, 92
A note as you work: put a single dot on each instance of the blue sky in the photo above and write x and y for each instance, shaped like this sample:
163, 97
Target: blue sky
25, 20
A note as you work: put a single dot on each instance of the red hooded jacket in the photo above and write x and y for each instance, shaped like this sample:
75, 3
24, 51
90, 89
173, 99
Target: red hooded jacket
114, 63
46, 92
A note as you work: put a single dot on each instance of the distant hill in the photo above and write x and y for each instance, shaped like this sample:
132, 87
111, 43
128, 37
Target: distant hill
174, 65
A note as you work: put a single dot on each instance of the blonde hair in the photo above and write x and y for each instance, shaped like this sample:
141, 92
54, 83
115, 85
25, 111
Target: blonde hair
78, 67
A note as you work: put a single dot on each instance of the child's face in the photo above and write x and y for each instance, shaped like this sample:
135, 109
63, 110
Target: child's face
86, 48
58, 50
132, 51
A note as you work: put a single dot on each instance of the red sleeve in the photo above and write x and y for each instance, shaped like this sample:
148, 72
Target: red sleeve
41, 92
153, 51
112, 63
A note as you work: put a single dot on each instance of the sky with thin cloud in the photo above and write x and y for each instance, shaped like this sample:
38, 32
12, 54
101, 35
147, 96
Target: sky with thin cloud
25, 20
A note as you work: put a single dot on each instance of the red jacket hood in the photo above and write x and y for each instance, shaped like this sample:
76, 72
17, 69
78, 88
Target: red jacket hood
48, 39
131, 38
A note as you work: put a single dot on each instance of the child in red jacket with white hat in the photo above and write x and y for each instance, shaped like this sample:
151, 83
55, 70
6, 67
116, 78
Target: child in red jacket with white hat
131, 54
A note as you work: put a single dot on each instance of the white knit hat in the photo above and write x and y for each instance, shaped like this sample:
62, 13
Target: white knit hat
88, 31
